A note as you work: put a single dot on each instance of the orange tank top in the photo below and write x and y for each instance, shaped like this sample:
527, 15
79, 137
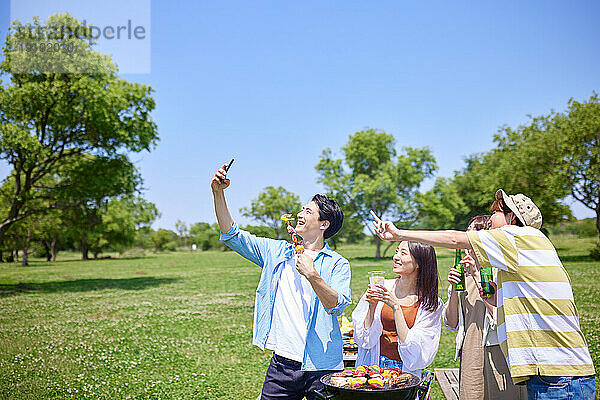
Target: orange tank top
389, 337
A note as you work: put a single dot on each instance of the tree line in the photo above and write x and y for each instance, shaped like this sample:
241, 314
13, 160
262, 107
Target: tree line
551, 158
68, 138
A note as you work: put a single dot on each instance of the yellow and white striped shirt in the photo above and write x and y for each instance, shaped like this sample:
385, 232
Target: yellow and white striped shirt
538, 323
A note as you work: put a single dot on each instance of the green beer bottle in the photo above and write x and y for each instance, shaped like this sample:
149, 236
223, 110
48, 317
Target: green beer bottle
486, 278
460, 286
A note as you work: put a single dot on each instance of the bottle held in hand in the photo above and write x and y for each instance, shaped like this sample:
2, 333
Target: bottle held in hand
486, 277
460, 286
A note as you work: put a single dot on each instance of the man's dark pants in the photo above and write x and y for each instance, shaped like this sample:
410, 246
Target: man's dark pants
286, 380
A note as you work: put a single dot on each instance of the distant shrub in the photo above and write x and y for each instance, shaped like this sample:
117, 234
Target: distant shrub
261, 231
595, 252
164, 239
205, 236
134, 252
582, 228
171, 246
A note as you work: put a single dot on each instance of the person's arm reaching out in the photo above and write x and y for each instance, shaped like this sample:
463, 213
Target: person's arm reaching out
450, 239
218, 185
245, 244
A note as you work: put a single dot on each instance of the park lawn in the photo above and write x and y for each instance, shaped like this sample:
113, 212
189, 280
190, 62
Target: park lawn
177, 325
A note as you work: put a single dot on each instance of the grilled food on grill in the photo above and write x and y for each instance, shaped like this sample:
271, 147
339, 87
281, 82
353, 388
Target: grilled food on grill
388, 372
357, 382
399, 379
339, 381
345, 373
374, 368
361, 370
376, 383
370, 377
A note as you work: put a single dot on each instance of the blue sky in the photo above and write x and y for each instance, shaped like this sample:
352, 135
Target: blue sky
273, 84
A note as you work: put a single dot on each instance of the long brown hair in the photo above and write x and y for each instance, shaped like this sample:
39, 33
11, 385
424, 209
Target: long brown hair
427, 276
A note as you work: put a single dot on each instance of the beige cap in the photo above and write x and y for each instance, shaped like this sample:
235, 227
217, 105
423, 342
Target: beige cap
523, 207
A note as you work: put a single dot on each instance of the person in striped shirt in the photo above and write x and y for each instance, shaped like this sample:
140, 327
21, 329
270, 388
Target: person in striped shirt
538, 323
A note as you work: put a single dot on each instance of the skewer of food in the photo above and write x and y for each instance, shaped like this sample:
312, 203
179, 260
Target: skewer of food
297, 239
370, 377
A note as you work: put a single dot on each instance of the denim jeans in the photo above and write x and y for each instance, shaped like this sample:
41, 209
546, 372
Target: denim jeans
561, 387
386, 362
286, 380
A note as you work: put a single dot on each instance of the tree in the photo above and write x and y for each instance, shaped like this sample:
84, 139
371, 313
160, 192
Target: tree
119, 223
442, 207
261, 231
371, 176
164, 239
526, 160
94, 181
36, 227
579, 131
549, 158
182, 230
352, 228
270, 204
48, 118
205, 235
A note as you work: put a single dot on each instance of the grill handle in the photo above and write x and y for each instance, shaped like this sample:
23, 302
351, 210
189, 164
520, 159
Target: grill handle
425, 386
324, 395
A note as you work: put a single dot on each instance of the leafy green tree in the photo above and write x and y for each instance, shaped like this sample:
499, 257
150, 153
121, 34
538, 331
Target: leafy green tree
142, 238
164, 239
94, 181
442, 207
50, 231
183, 232
47, 118
372, 176
352, 228
261, 231
205, 235
549, 158
119, 223
579, 131
526, 160
582, 228
26, 233
270, 204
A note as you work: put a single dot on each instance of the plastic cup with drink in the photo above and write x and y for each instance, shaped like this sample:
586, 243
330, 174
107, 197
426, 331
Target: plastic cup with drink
376, 277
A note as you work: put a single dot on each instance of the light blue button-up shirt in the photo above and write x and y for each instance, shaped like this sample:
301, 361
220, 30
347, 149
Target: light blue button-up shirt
324, 344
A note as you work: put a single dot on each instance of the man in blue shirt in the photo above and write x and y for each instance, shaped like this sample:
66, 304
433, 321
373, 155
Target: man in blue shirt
298, 298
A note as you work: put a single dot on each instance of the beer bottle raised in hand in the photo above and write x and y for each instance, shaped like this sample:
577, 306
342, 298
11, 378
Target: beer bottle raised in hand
460, 286
486, 277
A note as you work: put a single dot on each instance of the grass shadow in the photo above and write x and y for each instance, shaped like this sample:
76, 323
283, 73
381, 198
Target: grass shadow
35, 263
83, 285
367, 258
575, 258
107, 259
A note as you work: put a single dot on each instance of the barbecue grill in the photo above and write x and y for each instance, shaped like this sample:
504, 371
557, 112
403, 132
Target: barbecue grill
406, 391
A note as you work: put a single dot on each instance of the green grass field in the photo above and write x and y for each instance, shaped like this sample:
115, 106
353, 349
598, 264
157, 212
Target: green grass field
177, 325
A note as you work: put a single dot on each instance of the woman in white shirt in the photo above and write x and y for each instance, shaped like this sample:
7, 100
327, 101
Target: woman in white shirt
483, 371
398, 324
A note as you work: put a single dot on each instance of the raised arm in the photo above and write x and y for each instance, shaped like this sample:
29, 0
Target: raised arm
218, 185
451, 309
450, 239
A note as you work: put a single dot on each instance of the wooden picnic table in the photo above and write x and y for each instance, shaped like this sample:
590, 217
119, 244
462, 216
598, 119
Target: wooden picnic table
448, 379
